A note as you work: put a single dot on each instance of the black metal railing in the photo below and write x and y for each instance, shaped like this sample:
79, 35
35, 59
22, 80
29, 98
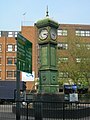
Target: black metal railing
44, 110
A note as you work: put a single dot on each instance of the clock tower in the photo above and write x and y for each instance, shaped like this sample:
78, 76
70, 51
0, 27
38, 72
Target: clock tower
47, 40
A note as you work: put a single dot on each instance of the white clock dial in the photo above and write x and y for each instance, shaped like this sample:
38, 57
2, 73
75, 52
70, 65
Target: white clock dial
43, 34
53, 34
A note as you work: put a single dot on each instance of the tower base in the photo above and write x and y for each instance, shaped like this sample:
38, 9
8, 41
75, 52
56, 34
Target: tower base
49, 97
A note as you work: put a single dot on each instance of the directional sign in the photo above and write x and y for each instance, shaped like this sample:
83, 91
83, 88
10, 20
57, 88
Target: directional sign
24, 54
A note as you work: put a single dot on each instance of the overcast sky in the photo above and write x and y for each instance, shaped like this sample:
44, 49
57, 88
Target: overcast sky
63, 11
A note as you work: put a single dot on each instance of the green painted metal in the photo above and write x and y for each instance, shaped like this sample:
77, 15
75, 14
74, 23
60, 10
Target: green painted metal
51, 32
48, 71
47, 22
24, 54
48, 77
48, 80
48, 56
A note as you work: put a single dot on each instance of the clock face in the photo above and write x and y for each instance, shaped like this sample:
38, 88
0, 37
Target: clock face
53, 34
43, 34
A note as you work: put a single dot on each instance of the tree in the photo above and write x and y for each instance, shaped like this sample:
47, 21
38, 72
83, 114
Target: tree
78, 65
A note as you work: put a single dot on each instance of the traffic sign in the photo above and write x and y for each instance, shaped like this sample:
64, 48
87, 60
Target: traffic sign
24, 54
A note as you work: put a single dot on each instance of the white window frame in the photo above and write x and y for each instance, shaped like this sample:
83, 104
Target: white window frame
15, 47
62, 32
62, 46
9, 48
0, 33
82, 33
10, 34
63, 60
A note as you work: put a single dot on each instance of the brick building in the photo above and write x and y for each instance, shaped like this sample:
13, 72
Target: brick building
8, 48
72, 39
8, 55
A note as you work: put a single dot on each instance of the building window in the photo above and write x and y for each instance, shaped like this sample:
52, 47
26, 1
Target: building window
0, 60
0, 74
15, 34
9, 73
0, 33
82, 32
78, 60
78, 45
15, 61
62, 32
0, 47
88, 46
10, 34
9, 48
9, 61
84, 45
62, 46
63, 60
63, 74
15, 47
14, 73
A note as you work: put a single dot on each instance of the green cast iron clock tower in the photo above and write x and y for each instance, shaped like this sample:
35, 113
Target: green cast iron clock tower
47, 40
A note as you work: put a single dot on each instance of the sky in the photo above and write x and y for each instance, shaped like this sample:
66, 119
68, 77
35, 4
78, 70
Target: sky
14, 13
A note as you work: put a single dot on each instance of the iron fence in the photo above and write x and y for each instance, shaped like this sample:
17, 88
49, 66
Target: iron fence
44, 110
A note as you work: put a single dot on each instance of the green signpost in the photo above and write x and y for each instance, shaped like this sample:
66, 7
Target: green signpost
24, 63
24, 54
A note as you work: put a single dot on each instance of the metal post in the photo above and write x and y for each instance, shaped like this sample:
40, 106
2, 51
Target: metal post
27, 110
63, 110
18, 96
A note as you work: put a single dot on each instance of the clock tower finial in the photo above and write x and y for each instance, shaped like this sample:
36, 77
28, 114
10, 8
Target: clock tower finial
47, 12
